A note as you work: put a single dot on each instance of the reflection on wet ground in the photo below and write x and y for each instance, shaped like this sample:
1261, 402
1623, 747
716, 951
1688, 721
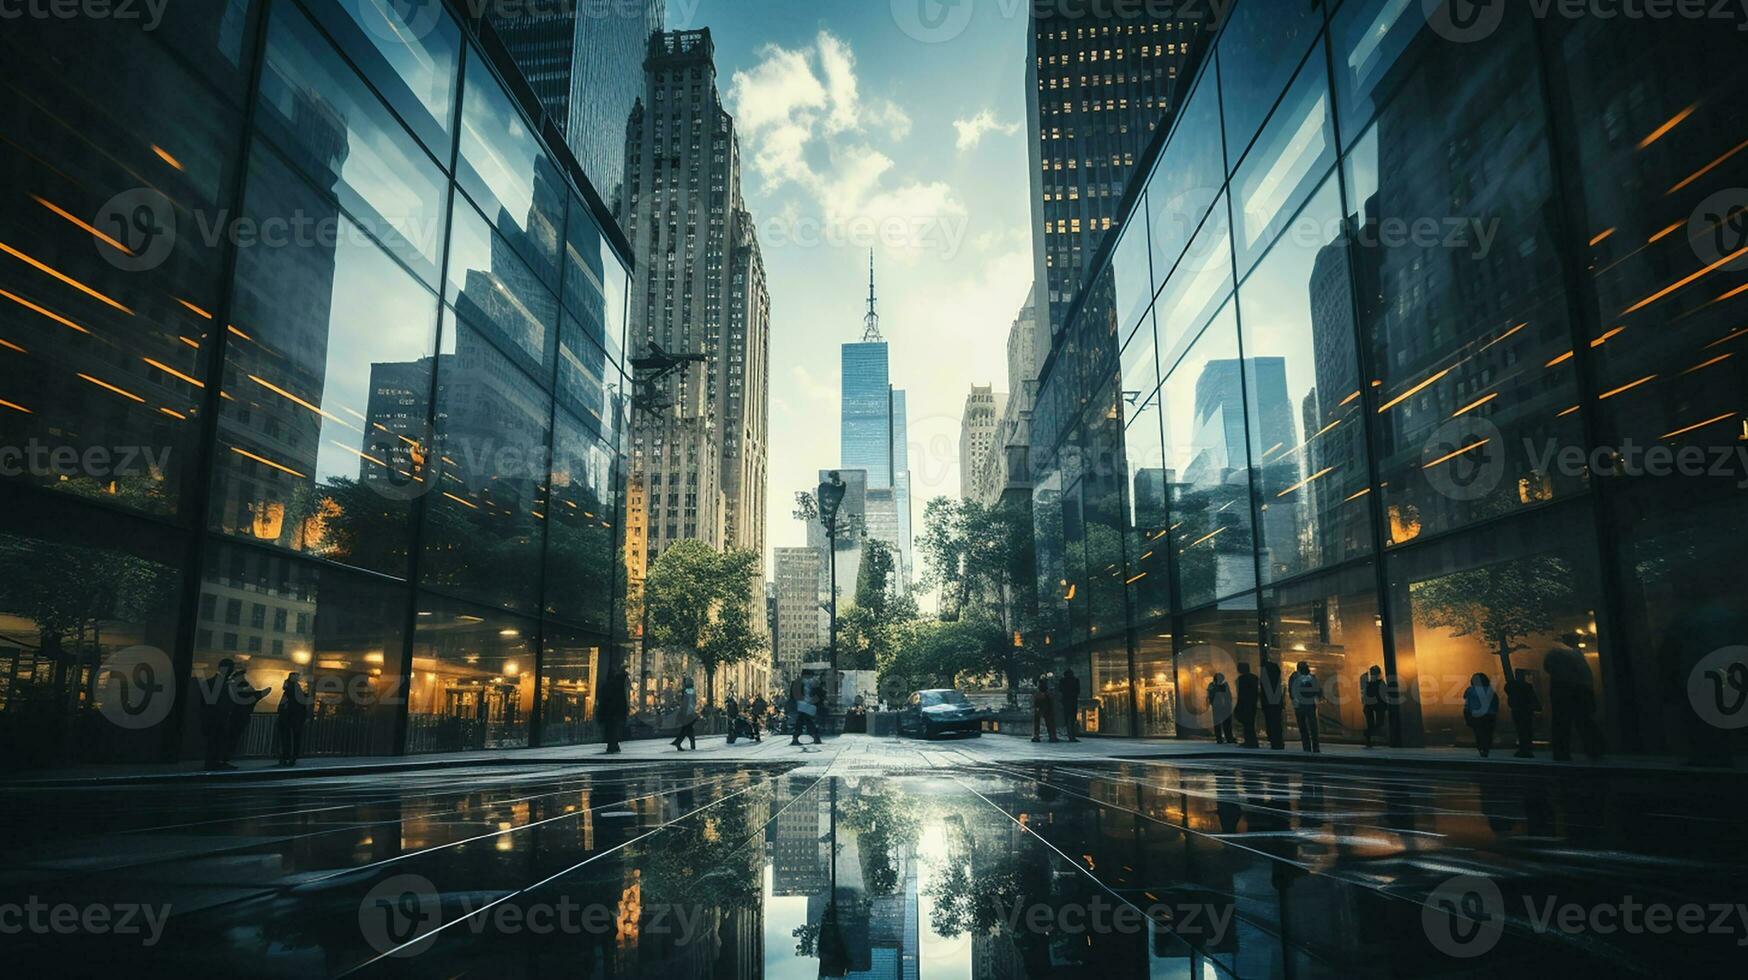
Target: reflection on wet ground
983, 869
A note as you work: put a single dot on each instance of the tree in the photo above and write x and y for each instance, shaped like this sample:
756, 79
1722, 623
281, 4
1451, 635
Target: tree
983, 560
1498, 603
935, 651
869, 629
700, 600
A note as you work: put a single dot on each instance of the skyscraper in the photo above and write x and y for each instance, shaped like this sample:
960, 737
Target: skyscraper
1099, 83
582, 59
978, 423
799, 631
873, 435
701, 289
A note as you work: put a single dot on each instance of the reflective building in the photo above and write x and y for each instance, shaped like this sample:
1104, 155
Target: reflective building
1409, 326
311, 361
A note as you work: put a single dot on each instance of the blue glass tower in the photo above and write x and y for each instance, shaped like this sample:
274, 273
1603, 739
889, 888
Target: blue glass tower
866, 436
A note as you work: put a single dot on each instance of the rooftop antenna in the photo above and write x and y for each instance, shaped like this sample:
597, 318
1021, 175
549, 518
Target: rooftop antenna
871, 323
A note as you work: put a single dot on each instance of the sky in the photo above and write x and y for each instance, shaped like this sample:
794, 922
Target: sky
896, 125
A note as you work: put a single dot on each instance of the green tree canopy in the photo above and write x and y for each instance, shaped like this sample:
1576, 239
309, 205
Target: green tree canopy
700, 600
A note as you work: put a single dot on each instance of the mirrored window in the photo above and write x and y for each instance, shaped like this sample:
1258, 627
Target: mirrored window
1207, 467
1132, 277
492, 287
509, 176
483, 524
1260, 48
324, 431
1198, 285
334, 129
1307, 430
1290, 158
409, 49
472, 678
580, 561
572, 666
1188, 177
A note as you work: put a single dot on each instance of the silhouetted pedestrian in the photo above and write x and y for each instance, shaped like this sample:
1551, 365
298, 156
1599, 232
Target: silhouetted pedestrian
807, 697
1305, 693
1372, 702
1220, 709
1521, 698
612, 704
1274, 696
294, 710
1043, 711
240, 700
1572, 698
688, 717
1246, 709
731, 708
1481, 712
215, 714
756, 715
1069, 690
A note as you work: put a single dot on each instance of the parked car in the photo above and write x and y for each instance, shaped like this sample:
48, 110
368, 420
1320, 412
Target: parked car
942, 711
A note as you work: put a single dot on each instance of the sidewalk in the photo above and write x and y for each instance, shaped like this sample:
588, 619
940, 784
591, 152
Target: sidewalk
775, 749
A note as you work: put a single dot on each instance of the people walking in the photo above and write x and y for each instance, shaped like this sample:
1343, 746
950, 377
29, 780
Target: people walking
1521, 698
1274, 695
756, 715
1572, 699
1306, 692
1481, 712
612, 704
1246, 709
688, 717
1220, 709
1043, 711
1069, 691
805, 698
1372, 702
215, 715
294, 710
731, 708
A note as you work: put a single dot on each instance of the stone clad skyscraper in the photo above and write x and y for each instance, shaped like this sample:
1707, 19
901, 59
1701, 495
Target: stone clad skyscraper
701, 450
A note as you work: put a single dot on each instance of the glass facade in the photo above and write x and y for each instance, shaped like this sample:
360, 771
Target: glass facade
322, 376
1412, 333
866, 426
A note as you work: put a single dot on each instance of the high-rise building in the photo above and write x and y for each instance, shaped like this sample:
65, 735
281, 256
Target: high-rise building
800, 627
874, 436
978, 423
1099, 81
581, 58
404, 487
701, 289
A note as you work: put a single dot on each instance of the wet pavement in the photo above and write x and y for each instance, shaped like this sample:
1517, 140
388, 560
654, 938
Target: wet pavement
878, 858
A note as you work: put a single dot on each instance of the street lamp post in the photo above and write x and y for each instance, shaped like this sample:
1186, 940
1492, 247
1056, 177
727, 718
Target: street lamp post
830, 498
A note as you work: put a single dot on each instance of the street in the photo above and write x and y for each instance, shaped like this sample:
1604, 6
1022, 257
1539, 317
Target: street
984, 857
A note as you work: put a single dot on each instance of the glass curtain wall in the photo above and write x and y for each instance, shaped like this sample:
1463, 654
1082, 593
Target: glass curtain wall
327, 373
1420, 333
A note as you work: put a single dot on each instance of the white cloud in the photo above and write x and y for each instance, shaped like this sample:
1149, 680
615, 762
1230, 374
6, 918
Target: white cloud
972, 131
802, 114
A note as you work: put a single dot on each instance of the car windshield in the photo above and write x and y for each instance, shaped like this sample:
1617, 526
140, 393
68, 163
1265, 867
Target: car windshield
953, 698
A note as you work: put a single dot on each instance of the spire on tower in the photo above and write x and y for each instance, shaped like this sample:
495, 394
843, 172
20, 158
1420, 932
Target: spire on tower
871, 323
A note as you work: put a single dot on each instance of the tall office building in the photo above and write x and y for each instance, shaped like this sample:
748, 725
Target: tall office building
799, 629
977, 448
701, 289
874, 436
1099, 83
581, 57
